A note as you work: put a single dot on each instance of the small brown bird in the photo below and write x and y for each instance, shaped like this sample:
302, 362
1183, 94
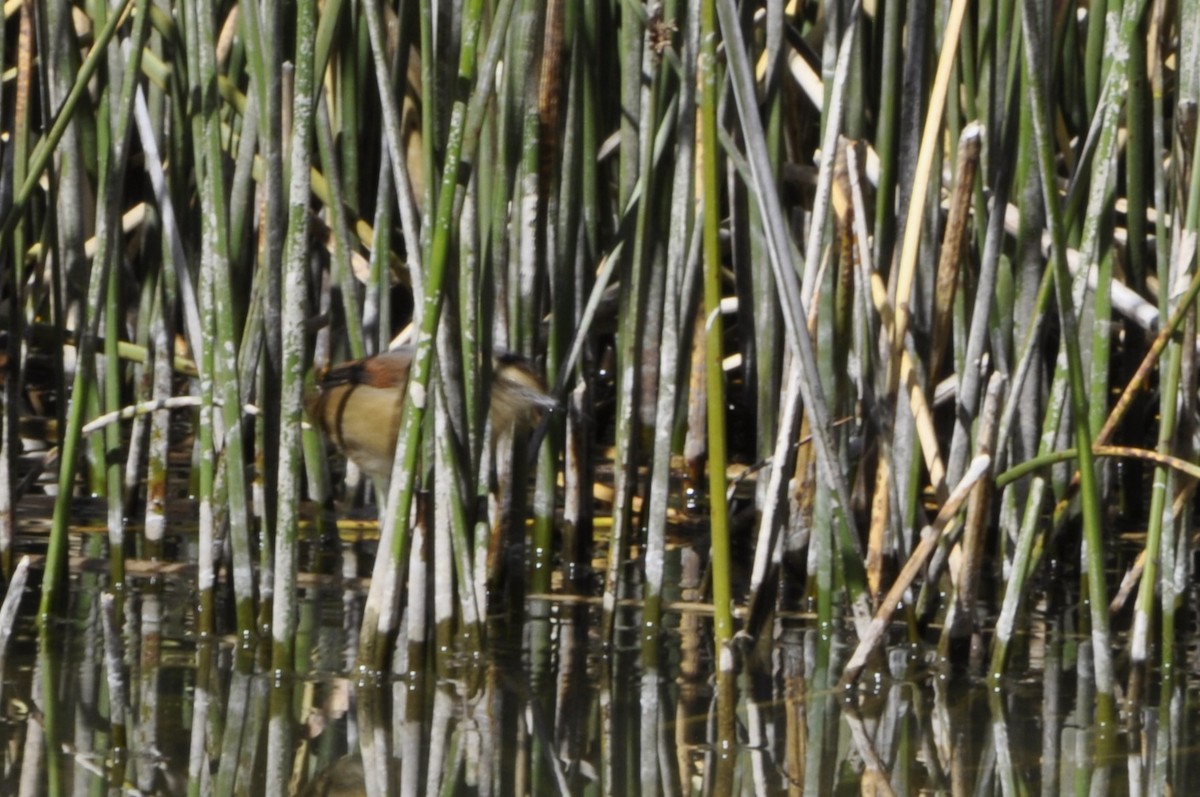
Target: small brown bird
359, 404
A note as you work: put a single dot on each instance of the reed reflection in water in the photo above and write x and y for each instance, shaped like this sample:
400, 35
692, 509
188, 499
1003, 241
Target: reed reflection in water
549, 710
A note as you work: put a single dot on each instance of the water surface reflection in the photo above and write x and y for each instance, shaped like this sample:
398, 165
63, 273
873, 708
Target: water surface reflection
144, 707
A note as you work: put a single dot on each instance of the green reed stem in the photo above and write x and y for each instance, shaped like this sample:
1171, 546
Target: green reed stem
1096, 54
1171, 586
708, 150
471, 605
632, 184
215, 258
44, 150
111, 146
111, 172
410, 219
294, 306
888, 130
14, 283
713, 326
1089, 487
675, 306
829, 464
1140, 158
158, 446
112, 433
1162, 528
675, 309
526, 268
341, 274
431, 108
379, 614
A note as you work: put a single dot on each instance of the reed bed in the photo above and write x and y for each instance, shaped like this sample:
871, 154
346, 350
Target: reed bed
895, 301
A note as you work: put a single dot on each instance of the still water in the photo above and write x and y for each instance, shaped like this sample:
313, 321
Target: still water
548, 706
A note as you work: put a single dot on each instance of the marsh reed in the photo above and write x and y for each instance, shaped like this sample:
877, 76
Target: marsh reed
897, 299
